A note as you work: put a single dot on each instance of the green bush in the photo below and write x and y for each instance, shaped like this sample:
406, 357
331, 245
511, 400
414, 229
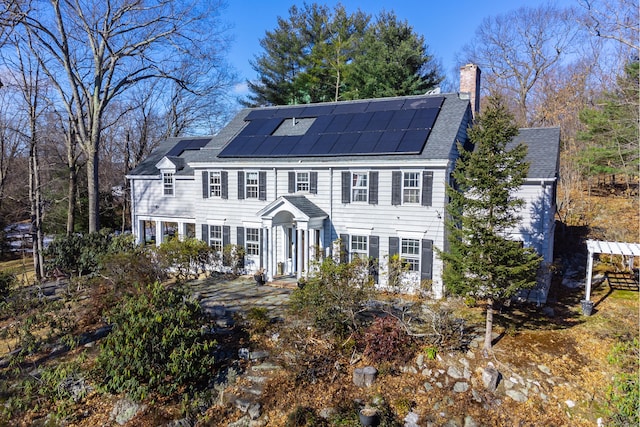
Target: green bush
258, 320
158, 345
7, 282
80, 254
335, 295
624, 393
186, 258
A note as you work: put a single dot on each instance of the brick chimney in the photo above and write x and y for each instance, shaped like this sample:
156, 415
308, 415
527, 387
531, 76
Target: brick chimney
470, 84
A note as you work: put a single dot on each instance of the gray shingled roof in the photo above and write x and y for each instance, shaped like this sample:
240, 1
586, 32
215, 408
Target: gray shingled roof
440, 143
306, 206
543, 153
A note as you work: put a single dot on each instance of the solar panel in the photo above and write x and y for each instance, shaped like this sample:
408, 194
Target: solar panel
399, 125
401, 119
289, 112
392, 104
187, 144
320, 124
339, 123
344, 143
286, 144
350, 108
388, 142
424, 118
323, 145
380, 120
315, 110
304, 144
260, 114
420, 103
366, 142
413, 141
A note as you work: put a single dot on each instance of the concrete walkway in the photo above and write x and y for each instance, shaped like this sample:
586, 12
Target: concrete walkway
240, 294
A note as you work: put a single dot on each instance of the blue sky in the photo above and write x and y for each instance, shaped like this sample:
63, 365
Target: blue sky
446, 25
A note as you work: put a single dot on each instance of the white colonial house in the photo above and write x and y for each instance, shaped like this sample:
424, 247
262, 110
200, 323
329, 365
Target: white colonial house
290, 183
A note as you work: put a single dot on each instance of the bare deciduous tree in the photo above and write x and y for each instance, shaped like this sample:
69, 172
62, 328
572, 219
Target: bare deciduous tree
617, 20
94, 51
518, 49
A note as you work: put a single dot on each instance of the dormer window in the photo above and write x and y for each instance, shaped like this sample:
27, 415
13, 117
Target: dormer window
168, 184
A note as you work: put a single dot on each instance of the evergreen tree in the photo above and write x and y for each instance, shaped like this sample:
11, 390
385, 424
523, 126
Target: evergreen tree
612, 132
319, 55
392, 61
482, 262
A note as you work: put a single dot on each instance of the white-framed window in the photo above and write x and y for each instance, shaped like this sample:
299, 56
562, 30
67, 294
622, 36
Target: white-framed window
410, 253
359, 247
252, 241
168, 184
302, 181
251, 185
215, 237
411, 187
215, 184
359, 187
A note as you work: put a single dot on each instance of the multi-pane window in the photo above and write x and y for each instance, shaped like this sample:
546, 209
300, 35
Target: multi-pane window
251, 185
215, 184
411, 187
359, 187
167, 184
410, 253
253, 241
215, 237
359, 247
302, 181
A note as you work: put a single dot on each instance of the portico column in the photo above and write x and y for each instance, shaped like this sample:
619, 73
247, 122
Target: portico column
307, 249
272, 255
158, 233
300, 252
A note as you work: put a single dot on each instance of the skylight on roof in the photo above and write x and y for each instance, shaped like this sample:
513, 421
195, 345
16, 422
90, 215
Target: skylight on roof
294, 126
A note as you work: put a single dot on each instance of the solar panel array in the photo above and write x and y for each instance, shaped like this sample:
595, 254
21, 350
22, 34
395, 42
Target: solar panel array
396, 126
187, 144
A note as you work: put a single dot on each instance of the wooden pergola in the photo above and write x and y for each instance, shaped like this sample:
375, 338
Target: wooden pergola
611, 248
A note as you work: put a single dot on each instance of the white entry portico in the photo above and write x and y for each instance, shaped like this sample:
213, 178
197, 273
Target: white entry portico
292, 232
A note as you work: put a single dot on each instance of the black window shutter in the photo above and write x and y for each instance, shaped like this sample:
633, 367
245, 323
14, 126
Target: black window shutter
224, 183
292, 182
313, 182
240, 185
240, 236
205, 184
426, 268
346, 187
374, 256
226, 235
427, 188
262, 185
396, 188
205, 233
373, 188
344, 248
394, 246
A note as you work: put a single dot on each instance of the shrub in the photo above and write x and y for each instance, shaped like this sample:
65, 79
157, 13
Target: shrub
624, 393
157, 345
303, 416
233, 256
258, 320
7, 282
187, 258
335, 295
386, 341
81, 253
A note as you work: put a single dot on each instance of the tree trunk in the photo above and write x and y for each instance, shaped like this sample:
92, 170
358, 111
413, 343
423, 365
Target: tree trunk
72, 194
489, 327
93, 191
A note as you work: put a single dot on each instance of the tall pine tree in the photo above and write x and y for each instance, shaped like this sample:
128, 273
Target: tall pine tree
482, 262
319, 55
